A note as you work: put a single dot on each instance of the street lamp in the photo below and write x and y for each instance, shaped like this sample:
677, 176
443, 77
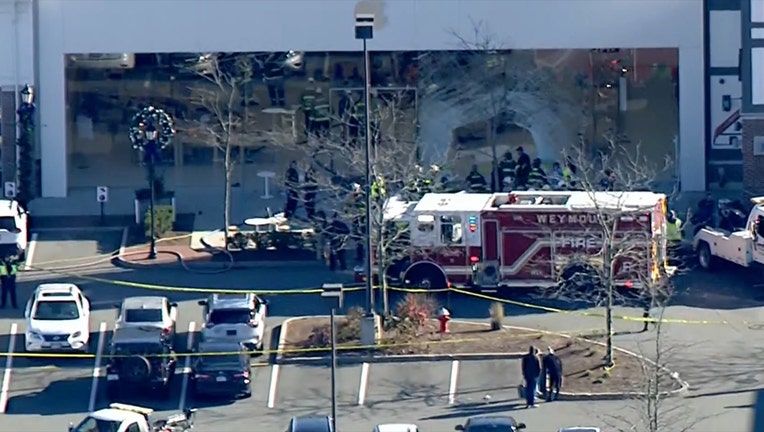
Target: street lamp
151, 130
25, 146
332, 294
364, 30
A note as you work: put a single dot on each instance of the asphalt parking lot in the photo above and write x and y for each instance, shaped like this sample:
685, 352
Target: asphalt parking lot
68, 248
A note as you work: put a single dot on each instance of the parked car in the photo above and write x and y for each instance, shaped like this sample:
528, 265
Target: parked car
148, 311
396, 427
141, 360
13, 229
311, 424
238, 318
102, 61
490, 423
222, 375
57, 319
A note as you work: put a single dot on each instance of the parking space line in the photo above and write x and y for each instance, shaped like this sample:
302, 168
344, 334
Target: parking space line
452, 382
97, 368
8, 367
187, 367
273, 385
31, 246
364, 384
123, 242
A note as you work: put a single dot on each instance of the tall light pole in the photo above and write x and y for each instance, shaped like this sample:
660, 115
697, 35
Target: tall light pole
332, 294
151, 130
364, 30
25, 146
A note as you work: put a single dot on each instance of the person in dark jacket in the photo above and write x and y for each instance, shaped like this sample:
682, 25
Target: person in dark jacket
531, 368
537, 177
8, 270
310, 189
338, 232
292, 183
523, 168
475, 181
553, 371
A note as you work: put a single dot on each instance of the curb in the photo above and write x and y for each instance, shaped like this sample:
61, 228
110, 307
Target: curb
121, 261
346, 360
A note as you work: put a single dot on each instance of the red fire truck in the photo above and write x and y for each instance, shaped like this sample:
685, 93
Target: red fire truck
528, 239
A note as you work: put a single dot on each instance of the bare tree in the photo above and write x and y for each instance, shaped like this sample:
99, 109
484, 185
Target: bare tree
225, 124
624, 247
651, 409
336, 154
485, 82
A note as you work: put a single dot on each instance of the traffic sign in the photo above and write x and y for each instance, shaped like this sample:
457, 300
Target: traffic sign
10, 189
102, 194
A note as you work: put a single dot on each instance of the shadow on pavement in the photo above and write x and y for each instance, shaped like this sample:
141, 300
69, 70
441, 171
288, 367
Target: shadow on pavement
144, 398
468, 410
66, 396
60, 359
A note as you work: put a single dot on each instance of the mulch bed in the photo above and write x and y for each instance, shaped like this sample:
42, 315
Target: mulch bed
582, 360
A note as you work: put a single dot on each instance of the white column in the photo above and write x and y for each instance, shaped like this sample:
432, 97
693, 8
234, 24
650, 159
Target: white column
692, 144
51, 102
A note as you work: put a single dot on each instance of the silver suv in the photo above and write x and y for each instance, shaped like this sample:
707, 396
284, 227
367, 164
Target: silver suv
235, 318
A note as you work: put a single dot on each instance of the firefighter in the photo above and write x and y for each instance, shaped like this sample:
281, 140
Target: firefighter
607, 182
556, 176
674, 236
274, 80
378, 191
522, 168
8, 270
310, 189
507, 167
475, 181
412, 189
307, 103
537, 177
429, 180
292, 183
321, 120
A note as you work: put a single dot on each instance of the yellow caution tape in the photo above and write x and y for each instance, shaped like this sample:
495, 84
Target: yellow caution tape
344, 347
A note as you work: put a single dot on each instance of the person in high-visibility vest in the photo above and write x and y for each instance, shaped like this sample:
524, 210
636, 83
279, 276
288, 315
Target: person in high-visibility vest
8, 270
307, 103
321, 119
674, 237
378, 191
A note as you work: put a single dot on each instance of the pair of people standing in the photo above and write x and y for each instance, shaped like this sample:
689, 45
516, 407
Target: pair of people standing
541, 374
309, 188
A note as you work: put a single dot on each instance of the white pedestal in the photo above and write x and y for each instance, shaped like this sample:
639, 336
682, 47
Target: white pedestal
266, 176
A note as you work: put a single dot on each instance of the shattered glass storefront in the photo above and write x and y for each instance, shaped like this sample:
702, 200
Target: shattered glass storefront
462, 105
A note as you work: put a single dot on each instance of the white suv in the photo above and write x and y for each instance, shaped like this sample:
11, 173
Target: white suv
13, 229
148, 311
58, 319
235, 317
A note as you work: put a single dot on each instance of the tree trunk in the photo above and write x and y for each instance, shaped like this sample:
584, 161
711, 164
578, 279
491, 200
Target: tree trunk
608, 273
491, 138
228, 172
381, 269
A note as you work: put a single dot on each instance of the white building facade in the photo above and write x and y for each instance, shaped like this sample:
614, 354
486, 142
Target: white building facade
35, 36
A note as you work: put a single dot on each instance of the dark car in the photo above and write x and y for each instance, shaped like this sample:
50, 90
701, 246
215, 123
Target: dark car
311, 424
227, 374
490, 424
140, 360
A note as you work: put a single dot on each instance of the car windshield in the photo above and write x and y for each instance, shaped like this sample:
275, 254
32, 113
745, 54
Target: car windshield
8, 223
143, 315
490, 428
230, 316
220, 361
93, 425
56, 310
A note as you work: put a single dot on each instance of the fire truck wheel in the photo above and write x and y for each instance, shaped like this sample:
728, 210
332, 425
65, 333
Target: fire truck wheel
705, 257
426, 277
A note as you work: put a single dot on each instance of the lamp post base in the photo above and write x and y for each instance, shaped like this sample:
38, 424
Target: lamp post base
369, 329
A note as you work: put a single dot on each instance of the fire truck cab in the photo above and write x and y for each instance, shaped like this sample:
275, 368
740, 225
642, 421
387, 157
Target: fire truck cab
526, 239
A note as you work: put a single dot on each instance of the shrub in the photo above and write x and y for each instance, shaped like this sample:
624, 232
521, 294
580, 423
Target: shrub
411, 315
497, 315
163, 217
348, 330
